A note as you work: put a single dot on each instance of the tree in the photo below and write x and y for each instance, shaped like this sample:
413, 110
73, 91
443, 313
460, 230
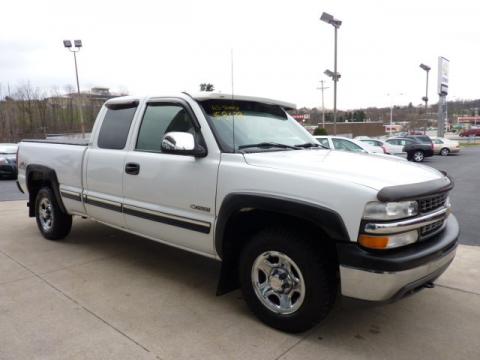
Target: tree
320, 131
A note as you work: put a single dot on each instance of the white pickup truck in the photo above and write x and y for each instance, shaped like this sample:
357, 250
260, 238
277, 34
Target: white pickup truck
240, 181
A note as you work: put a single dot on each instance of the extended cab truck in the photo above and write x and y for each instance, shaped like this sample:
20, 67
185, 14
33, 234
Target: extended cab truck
240, 181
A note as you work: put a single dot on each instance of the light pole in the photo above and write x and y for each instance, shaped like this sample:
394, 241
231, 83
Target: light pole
329, 19
425, 98
74, 49
322, 88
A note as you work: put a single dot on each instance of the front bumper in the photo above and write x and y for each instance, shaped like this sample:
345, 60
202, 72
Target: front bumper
389, 276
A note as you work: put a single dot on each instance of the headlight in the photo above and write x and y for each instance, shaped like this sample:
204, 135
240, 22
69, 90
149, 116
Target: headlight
3, 161
390, 210
388, 241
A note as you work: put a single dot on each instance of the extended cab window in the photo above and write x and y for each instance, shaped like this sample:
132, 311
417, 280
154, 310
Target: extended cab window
159, 119
115, 127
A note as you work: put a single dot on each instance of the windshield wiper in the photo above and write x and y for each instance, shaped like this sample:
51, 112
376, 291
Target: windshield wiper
267, 145
310, 145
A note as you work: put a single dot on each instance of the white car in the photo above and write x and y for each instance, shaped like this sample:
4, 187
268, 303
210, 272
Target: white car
443, 146
346, 144
241, 182
353, 145
386, 147
397, 144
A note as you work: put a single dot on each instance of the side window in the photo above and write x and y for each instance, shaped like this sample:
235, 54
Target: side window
341, 144
115, 127
324, 142
393, 142
160, 119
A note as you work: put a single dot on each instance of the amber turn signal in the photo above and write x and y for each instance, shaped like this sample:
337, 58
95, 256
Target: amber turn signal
373, 242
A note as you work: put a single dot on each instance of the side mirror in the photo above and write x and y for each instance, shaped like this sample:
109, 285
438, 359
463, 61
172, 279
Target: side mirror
182, 143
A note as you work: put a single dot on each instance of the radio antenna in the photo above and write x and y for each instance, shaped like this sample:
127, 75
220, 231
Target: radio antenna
233, 104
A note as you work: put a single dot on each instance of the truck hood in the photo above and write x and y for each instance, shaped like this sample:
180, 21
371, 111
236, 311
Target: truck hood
364, 169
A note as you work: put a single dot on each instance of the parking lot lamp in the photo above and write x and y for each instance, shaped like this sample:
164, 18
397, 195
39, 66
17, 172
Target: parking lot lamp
77, 44
425, 98
329, 19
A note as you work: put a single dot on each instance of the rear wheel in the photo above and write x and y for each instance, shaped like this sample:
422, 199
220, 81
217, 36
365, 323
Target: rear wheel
51, 221
418, 156
444, 152
285, 281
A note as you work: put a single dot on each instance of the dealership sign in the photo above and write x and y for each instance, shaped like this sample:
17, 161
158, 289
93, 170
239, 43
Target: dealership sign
443, 68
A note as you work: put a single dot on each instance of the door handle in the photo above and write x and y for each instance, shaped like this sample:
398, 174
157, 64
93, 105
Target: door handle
132, 168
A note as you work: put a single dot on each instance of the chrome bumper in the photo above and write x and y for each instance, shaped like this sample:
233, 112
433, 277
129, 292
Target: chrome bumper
372, 286
380, 278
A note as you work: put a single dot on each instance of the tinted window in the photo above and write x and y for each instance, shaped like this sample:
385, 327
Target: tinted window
393, 141
160, 119
115, 127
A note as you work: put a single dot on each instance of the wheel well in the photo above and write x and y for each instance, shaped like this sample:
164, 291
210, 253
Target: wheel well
245, 222
37, 177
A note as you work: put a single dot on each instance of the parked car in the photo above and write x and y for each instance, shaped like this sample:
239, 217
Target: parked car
443, 146
470, 132
386, 147
8, 161
346, 144
292, 223
416, 147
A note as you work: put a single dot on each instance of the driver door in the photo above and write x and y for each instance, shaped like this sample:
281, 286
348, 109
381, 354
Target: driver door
170, 197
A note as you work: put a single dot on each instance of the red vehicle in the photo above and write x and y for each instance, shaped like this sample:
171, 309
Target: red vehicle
471, 132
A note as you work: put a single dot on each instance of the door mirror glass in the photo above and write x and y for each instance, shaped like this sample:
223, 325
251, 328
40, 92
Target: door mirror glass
182, 143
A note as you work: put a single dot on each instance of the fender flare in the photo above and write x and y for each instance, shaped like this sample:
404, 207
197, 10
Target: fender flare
328, 220
45, 175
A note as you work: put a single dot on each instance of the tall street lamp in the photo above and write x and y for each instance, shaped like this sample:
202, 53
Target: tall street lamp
425, 98
329, 19
77, 44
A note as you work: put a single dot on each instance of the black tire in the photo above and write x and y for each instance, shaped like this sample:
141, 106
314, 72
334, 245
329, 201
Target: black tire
319, 279
60, 223
418, 156
445, 152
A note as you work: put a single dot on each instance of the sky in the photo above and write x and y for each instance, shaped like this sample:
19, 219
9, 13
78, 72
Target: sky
280, 48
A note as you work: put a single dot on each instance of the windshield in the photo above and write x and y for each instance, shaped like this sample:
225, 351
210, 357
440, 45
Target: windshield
267, 126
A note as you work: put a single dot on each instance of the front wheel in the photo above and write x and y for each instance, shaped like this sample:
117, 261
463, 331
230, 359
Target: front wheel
418, 156
285, 281
444, 152
52, 222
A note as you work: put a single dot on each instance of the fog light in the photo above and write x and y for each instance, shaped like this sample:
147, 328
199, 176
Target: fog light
388, 241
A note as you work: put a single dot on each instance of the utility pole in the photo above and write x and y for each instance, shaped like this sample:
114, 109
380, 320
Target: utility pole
322, 88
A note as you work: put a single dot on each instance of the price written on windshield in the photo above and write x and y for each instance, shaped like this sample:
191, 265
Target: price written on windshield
226, 110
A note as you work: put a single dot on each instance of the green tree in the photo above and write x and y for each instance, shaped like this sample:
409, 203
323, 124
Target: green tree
320, 131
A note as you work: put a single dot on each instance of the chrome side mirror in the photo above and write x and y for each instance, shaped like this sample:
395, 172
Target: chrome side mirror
182, 143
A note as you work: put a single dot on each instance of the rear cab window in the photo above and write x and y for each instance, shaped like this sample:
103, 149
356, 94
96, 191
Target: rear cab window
115, 126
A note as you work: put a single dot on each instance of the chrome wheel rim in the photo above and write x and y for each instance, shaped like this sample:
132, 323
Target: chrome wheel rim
444, 152
45, 214
278, 282
418, 156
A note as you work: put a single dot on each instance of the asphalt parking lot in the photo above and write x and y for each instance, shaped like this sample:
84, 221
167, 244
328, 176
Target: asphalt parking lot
105, 294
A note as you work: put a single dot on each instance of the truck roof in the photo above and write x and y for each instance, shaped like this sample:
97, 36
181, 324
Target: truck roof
206, 96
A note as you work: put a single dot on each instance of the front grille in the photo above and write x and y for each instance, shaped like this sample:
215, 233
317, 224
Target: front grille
431, 228
432, 202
